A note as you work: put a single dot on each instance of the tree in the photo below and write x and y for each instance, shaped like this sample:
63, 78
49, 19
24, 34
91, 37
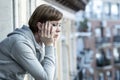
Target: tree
83, 27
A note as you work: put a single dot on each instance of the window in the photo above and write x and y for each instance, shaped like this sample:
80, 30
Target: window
106, 10
97, 8
88, 10
114, 10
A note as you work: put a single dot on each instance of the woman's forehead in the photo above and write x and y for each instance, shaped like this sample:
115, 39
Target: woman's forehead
56, 21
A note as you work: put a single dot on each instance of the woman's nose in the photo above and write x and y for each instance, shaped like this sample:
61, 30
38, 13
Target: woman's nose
58, 29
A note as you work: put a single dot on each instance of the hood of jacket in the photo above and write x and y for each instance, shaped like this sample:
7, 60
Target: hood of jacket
24, 31
27, 33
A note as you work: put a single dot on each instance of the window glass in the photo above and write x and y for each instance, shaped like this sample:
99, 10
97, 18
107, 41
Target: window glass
114, 9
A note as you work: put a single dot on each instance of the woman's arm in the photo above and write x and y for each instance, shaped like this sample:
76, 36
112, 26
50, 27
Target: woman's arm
25, 57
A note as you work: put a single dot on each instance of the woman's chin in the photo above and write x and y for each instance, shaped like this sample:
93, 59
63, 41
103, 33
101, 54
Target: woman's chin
56, 37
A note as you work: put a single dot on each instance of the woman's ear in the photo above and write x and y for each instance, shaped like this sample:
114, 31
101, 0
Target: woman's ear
39, 25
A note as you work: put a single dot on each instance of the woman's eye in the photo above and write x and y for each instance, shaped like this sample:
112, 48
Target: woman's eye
60, 25
53, 24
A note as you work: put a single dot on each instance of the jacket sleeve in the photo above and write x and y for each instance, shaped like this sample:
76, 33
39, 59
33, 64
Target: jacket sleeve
25, 56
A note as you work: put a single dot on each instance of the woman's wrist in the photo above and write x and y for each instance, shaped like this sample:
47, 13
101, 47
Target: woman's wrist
50, 44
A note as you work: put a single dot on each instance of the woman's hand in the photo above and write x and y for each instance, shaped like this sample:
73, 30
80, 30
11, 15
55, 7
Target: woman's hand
46, 33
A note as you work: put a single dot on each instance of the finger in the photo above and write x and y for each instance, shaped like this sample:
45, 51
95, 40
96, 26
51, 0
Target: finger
48, 29
52, 32
45, 29
48, 32
42, 31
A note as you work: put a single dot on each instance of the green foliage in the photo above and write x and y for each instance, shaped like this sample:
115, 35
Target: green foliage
83, 25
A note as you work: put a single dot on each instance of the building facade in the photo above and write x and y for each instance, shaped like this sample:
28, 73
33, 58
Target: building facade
15, 13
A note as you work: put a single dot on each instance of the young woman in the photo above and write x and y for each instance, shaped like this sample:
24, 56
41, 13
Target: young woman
31, 48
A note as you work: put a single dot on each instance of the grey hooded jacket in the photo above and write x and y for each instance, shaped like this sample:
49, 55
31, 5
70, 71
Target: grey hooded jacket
20, 53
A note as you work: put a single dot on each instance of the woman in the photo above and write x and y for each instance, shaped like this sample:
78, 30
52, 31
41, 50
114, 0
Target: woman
31, 49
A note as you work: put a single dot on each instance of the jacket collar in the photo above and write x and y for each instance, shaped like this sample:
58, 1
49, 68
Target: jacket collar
31, 36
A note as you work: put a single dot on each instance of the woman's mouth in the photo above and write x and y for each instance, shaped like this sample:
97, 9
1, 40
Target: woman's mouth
56, 36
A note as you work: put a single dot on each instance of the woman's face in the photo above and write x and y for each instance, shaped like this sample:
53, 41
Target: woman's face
57, 27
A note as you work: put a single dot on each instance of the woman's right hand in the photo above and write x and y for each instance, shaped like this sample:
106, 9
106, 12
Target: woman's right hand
46, 33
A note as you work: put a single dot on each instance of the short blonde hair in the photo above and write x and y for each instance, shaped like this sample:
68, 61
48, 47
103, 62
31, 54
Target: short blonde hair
42, 14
